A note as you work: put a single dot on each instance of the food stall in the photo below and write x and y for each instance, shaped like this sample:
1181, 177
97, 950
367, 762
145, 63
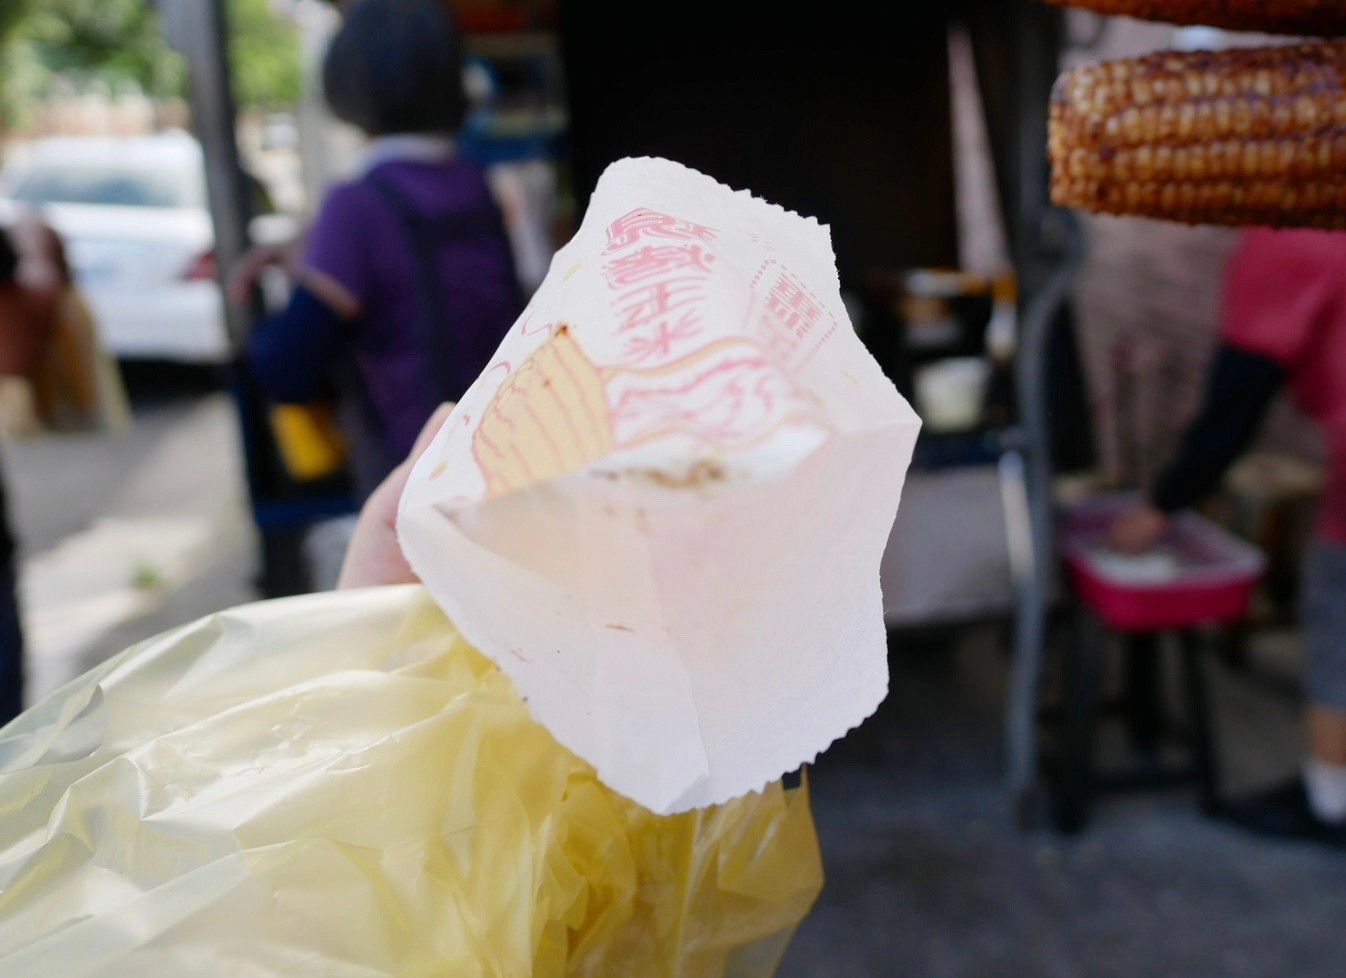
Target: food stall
849, 119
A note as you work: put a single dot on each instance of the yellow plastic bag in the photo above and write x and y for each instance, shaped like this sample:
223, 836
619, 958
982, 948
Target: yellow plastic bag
339, 785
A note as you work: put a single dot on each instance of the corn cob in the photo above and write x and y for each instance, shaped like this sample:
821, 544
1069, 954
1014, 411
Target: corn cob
1243, 136
1323, 18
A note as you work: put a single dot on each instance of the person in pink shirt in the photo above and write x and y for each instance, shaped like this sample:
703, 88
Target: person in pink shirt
1283, 325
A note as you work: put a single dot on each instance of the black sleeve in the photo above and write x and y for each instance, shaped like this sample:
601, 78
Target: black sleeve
9, 259
1239, 392
293, 352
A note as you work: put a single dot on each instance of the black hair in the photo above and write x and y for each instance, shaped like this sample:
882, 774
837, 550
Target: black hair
9, 259
395, 67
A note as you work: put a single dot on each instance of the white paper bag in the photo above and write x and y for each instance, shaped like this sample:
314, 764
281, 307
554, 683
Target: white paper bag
661, 510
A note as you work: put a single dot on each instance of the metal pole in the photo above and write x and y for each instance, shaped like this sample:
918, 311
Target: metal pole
1038, 50
199, 30
1033, 510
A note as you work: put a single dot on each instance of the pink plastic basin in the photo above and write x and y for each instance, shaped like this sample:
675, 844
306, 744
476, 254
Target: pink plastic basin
1199, 574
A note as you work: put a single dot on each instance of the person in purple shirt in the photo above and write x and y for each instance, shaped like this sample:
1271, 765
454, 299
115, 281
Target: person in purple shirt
406, 282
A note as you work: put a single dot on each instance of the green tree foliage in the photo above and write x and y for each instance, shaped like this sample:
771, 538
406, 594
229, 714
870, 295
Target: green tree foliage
264, 53
118, 43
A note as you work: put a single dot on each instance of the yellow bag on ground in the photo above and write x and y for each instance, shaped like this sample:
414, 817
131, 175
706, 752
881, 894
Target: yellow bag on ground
339, 785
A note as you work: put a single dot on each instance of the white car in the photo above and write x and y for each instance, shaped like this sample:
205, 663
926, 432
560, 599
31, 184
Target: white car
138, 232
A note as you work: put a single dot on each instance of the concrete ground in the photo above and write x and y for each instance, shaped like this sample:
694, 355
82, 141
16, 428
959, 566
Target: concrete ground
124, 536
927, 876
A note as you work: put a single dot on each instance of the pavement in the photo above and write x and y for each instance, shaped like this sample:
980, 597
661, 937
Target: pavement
927, 875
123, 536
126, 536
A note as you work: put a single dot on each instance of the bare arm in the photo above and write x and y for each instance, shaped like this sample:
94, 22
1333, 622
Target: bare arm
1239, 393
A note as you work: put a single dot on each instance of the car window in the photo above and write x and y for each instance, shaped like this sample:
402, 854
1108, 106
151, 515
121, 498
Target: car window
117, 186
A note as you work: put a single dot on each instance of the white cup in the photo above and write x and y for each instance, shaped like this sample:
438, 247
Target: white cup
951, 394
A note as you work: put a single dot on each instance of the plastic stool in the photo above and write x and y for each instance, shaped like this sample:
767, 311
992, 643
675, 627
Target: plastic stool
1150, 726
1201, 579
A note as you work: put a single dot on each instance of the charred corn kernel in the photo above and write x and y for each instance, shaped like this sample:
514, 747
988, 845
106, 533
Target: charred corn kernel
1324, 18
1269, 148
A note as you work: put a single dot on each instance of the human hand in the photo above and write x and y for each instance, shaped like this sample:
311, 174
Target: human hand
374, 556
257, 259
1138, 530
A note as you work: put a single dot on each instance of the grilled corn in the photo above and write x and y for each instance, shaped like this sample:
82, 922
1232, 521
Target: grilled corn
1243, 136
